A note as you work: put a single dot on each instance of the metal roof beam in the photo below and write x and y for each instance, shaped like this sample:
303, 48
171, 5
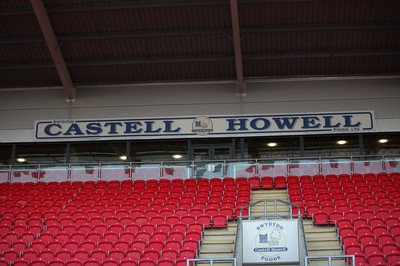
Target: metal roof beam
208, 58
207, 31
237, 47
54, 49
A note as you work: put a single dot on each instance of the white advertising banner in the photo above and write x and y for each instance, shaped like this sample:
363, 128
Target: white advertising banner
204, 126
270, 241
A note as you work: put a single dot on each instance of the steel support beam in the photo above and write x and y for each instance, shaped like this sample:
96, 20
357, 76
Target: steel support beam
237, 47
54, 49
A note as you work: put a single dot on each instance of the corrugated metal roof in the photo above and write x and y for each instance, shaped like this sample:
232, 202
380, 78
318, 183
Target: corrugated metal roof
154, 72
153, 18
120, 41
323, 66
321, 40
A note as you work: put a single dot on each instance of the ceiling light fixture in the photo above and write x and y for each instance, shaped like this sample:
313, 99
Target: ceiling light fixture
272, 144
341, 142
123, 157
21, 160
177, 156
383, 141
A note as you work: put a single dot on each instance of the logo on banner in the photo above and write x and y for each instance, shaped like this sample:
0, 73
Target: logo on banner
270, 241
202, 125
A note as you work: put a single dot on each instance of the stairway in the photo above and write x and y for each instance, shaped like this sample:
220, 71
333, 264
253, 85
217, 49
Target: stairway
270, 194
218, 243
321, 240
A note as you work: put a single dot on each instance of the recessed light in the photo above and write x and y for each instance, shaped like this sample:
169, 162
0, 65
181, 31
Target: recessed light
383, 141
123, 157
21, 160
341, 142
177, 156
272, 144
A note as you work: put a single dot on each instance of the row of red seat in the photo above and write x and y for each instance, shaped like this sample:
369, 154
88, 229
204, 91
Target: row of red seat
365, 209
124, 183
146, 211
163, 261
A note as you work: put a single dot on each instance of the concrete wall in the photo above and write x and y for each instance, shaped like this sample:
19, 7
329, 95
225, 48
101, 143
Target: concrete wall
19, 108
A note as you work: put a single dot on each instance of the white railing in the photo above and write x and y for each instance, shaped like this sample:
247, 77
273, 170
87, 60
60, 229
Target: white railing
329, 260
211, 261
206, 169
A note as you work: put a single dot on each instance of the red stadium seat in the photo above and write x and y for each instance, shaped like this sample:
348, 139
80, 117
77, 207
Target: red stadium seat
254, 182
166, 261
92, 262
128, 262
187, 252
110, 262
156, 244
219, 221
56, 262
19, 245
375, 258
393, 258
116, 253
321, 218
21, 262
267, 182
134, 253
105, 244
205, 220
122, 244
98, 254
30, 254
151, 253
10, 254
173, 243
280, 182
170, 252
38, 262
147, 262
89, 244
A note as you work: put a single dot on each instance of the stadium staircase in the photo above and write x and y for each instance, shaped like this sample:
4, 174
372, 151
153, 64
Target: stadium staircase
321, 240
218, 243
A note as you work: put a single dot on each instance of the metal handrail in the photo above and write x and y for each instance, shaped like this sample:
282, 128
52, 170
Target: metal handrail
226, 161
285, 164
275, 201
212, 260
329, 259
304, 236
235, 246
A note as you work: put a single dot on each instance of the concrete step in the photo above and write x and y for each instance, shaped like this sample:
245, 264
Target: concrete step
335, 262
322, 240
216, 263
325, 252
218, 243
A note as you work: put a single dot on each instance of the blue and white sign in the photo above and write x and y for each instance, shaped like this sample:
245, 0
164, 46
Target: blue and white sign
270, 241
205, 126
